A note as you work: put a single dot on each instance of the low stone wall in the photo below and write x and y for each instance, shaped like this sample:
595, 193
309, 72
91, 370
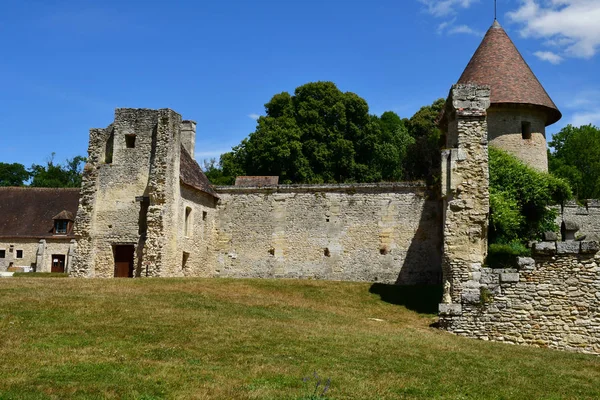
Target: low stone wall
361, 232
551, 300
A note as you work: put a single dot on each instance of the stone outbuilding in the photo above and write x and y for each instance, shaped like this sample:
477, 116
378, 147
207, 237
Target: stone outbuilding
36, 228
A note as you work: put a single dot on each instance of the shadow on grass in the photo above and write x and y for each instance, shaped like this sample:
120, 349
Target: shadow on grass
423, 299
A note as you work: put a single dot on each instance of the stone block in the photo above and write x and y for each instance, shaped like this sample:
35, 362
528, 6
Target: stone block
450, 309
590, 247
526, 263
472, 296
567, 247
509, 277
550, 236
544, 248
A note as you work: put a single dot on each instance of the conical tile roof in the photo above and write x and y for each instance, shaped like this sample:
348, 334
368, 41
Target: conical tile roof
498, 63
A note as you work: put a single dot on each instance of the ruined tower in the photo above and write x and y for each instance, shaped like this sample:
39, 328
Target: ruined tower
520, 107
145, 204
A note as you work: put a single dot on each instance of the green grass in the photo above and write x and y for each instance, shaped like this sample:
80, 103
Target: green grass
40, 275
257, 339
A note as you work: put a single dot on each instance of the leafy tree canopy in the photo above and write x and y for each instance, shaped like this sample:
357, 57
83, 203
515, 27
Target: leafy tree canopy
13, 174
320, 135
576, 158
519, 199
58, 175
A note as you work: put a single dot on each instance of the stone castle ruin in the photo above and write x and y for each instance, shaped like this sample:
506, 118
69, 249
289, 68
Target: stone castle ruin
147, 210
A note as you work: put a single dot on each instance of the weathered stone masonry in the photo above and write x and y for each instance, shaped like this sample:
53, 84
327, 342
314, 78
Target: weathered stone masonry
368, 232
552, 300
465, 191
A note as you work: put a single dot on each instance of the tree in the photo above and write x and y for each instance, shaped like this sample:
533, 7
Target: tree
321, 135
424, 155
520, 197
576, 158
58, 175
13, 174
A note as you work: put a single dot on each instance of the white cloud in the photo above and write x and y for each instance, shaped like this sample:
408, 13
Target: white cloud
253, 116
549, 56
585, 118
585, 106
464, 29
570, 25
442, 8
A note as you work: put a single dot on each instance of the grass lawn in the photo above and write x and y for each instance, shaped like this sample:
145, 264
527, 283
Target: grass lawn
257, 339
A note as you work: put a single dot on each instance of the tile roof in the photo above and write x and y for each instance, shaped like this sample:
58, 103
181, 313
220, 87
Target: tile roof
256, 181
498, 63
27, 212
191, 174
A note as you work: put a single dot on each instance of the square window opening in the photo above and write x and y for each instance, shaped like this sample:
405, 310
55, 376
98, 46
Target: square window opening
2, 253
204, 214
19, 254
130, 141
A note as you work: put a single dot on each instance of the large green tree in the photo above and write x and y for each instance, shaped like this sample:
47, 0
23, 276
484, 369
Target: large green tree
576, 158
320, 135
423, 161
58, 175
13, 174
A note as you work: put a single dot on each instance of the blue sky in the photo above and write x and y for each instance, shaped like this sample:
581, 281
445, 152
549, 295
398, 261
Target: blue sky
66, 65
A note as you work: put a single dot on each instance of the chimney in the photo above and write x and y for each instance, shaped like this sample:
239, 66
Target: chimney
188, 136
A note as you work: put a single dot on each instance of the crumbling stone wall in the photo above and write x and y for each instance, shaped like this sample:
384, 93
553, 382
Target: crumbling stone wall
586, 216
551, 300
369, 232
465, 190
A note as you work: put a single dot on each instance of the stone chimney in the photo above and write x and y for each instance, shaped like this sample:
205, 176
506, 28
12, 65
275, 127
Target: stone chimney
188, 136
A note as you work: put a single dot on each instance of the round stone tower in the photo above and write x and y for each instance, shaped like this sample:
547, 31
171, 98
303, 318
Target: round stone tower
520, 107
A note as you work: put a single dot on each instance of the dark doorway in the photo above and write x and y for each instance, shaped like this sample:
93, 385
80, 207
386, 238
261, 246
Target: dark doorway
124, 261
58, 263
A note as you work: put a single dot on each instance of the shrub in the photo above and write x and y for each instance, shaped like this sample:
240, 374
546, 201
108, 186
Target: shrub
505, 255
520, 197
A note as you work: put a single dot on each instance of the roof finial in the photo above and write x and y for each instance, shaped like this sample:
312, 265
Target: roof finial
495, 9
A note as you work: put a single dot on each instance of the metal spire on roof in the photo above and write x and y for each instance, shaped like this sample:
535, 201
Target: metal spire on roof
495, 9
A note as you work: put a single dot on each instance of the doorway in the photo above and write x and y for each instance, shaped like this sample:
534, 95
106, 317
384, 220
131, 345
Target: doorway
124, 261
58, 263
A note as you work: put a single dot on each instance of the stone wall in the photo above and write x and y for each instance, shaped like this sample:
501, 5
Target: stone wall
37, 254
371, 232
586, 216
552, 300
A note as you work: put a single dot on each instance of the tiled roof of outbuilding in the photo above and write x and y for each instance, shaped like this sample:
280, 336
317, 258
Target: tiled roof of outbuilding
191, 174
27, 212
498, 63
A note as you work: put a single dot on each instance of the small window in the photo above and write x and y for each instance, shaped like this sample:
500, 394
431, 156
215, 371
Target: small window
2, 253
188, 212
60, 226
184, 259
19, 254
204, 214
526, 130
130, 141
108, 151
